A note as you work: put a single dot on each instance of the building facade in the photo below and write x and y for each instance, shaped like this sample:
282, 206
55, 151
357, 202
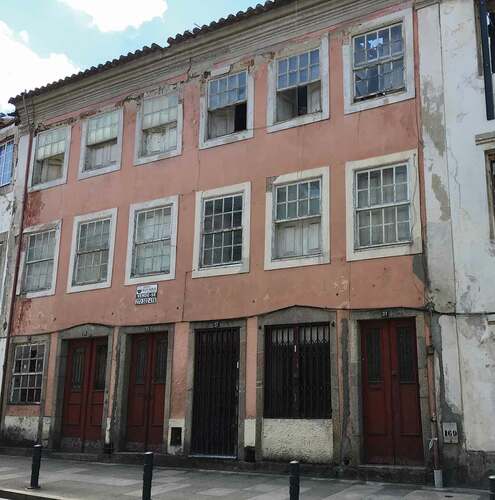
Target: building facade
459, 140
11, 194
223, 246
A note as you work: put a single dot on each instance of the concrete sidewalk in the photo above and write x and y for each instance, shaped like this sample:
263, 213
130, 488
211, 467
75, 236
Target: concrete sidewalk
63, 479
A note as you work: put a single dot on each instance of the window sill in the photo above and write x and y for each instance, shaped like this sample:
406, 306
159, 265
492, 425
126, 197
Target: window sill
47, 185
7, 188
149, 279
312, 260
226, 139
241, 268
376, 102
298, 121
393, 250
85, 288
35, 295
85, 174
146, 160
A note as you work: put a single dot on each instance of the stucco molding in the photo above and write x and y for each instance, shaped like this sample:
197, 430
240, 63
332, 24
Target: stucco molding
228, 269
104, 214
406, 17
323, 257
415, 245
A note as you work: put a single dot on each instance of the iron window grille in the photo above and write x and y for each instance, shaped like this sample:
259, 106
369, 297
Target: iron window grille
39, 261
152, 242
49, 156
382, 206
92, 252
378, 62
159, 125
6, 162
298, 85
102, 141
297, 219
222, 231
27, 373
297, 372
227, 105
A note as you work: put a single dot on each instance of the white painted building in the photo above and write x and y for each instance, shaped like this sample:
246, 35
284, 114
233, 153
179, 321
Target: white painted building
460, 233
11, 195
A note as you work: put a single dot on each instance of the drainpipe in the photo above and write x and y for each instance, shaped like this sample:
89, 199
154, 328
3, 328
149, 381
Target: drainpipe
3, 390
487, 58
434, 444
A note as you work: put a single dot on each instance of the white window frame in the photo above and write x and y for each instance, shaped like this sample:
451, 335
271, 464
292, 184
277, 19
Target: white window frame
227, 269
271, 262
4, 144
405, 17
56, 182
104, 214
40, 228
271, 108
173, 202
415, 245
84, 174
145, 160
13, 373
204, 142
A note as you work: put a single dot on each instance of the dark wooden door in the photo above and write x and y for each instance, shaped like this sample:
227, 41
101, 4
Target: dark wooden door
391, 412
146, 397
215, 401
84, 393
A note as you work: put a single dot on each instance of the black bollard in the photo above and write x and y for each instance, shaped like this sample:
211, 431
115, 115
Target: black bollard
294, 480
35, 468
147, 475
492, 487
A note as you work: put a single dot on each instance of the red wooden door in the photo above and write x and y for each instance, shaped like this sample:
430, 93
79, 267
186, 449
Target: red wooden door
146, 398
84, 392
391, 412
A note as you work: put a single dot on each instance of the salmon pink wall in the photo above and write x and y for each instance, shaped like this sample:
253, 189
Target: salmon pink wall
365, 284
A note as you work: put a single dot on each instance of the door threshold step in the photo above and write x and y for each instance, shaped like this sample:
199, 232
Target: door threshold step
395, 473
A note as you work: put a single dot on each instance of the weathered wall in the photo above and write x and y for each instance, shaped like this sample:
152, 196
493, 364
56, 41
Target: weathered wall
295, 439
461, 254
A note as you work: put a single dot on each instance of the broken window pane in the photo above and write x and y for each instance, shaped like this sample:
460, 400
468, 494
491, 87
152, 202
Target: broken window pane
40, 253
50, 156
298, 85
102, 141
378, 62
227, 105
27, 374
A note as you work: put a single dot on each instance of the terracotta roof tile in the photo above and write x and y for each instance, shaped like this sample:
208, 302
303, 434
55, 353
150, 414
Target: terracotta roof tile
172, 41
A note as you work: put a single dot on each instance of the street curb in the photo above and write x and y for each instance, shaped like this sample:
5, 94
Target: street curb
25, 495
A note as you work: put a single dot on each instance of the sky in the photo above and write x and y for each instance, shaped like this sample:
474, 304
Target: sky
44, 40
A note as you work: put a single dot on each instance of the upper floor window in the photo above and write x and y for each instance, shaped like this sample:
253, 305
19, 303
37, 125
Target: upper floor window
227, 105
92, 251
27, 373
102, 142
228, 109
382, 206
298, 85
378, 62
152, 241
297, 225
222, 231
6, 162
378, 58
159, 125
383, 213
298, 219
39, 260
50, 158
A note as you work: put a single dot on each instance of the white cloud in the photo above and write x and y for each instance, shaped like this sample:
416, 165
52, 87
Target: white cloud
24, 69
118, 15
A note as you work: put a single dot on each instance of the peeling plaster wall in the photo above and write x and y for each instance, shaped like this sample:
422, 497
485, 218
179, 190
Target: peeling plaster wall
460, 253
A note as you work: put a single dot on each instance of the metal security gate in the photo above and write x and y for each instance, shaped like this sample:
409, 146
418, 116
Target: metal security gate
215, 401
